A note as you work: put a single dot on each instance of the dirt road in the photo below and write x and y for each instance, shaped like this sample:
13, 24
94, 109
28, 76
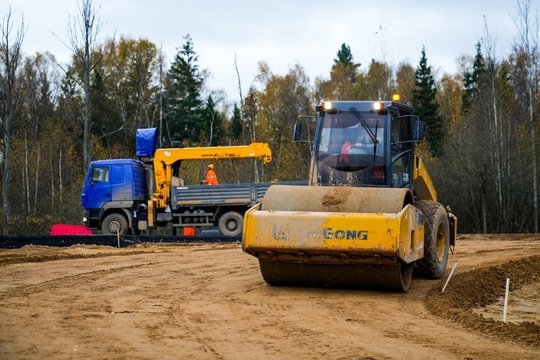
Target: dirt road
210, 302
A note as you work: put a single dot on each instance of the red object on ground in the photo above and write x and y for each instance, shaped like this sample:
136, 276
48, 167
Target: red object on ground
189, 231
67, 229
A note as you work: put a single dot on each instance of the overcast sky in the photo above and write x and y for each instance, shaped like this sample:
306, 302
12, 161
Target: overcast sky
283, 33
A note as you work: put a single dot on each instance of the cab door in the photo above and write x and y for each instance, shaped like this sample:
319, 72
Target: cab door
97, 187
402, 149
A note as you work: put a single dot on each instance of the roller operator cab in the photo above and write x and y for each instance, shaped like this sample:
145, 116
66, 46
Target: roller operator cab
369, 215
364, 143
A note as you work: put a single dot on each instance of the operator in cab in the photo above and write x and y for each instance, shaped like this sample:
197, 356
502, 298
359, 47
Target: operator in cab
356, 144
211, 177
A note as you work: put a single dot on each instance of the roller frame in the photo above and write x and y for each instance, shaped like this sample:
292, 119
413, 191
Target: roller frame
368, 249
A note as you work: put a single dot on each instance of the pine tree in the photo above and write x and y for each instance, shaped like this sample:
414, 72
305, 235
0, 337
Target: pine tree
236, 123
184, 95
343, 75
426, 107
212, 123
471, 79
344, 55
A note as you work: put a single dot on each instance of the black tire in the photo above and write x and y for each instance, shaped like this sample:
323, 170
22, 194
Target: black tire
436, 240
406, 272
230, 224
114, 223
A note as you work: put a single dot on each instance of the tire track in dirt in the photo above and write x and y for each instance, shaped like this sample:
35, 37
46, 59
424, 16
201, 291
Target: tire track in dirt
65, 281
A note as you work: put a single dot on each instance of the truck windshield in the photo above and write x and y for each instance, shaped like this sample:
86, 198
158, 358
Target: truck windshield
351, 150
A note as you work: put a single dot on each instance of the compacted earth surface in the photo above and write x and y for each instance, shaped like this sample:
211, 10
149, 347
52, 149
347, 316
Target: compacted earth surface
209, 301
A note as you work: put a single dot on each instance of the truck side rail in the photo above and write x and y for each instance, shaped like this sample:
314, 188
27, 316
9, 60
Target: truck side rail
243, 194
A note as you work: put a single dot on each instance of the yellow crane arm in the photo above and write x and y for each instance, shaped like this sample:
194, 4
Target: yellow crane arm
165, 158
253, 150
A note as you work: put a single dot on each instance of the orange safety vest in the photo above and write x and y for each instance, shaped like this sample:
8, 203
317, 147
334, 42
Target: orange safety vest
211, 177
345, 149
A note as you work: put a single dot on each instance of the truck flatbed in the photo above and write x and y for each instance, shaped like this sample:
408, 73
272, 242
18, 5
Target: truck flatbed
243, 194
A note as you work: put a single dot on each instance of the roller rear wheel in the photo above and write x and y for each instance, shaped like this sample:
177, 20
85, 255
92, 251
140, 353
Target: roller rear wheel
436, 240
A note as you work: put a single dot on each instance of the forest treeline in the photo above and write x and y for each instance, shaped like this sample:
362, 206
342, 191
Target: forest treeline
481, 147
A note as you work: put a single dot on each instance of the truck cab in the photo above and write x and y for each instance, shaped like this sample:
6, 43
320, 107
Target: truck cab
112, 193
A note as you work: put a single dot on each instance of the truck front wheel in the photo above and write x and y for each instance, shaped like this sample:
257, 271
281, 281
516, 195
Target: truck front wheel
113, 224
230, 223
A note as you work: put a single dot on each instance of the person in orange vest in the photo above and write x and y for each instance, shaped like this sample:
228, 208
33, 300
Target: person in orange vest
211, 177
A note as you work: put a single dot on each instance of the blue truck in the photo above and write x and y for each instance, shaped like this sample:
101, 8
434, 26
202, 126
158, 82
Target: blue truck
130, 196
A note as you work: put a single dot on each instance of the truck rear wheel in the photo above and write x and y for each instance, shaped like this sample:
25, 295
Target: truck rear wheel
113, 224
436, 240
230, 224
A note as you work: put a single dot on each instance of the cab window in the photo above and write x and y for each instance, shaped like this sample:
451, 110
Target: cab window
100, 174
401, 147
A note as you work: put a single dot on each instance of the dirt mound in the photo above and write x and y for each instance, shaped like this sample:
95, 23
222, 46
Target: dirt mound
37, 253
479, 288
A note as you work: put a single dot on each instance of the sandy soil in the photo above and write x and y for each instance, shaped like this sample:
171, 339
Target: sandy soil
210, 302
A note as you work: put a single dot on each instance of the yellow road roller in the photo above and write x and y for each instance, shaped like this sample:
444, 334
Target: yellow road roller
369, 215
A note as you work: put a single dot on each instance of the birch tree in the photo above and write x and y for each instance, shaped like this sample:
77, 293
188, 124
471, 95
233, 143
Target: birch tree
10, 58
34, 111
526, 45
83, 33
